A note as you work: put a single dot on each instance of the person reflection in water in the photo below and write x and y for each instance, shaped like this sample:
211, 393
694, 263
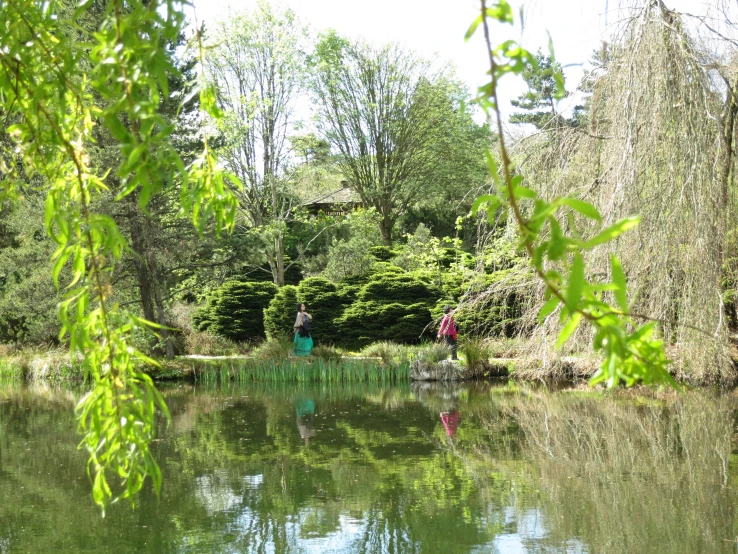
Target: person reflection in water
450, 422
305, 409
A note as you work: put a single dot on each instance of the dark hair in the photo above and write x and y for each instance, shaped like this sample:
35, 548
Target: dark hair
446, 309
299, 307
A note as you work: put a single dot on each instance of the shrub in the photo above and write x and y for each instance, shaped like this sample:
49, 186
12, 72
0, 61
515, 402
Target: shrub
205, 343
390, 306
325, 304
383, 253
236, 310
350, 257
433, 352
28, 310
385, 350
274, 350
475, 350
327, 353
279, 316
201, 317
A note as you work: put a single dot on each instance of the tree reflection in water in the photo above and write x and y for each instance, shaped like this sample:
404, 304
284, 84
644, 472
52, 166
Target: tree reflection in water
525, 471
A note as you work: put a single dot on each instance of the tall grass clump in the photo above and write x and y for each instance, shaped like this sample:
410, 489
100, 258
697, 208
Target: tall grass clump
433, 352
327, 353
273, 350
390, 353
386, 351
10, 370
294, 371
205, 343
48, 364
475, 350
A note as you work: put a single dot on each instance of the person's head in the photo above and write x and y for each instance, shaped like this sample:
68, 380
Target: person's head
301, 308
448, 309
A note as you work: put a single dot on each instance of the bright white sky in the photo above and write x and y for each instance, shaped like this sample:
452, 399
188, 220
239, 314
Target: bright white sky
436, 28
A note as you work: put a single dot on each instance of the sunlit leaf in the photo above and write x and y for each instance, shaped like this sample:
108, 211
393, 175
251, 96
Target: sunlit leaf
569, 328
613, 231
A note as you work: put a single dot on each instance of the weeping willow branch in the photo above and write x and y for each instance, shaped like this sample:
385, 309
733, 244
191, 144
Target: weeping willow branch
670, 158
47, 79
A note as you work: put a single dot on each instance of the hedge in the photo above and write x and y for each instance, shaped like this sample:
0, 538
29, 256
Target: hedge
383, 253
292, 275
325, 303
279, 316
391, 306
236, 310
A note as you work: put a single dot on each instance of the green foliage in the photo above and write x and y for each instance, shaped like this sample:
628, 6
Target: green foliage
28, 298
274, 350
557, 258
383, 253
475, 351
389, 122
201, 317
433, 352
539, 101
389, 352
236, 309
390, 306
351, 254
325, 304
326, 353
279, 316
349, 258
57, 89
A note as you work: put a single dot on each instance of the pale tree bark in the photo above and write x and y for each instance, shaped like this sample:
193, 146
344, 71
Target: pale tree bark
257, 66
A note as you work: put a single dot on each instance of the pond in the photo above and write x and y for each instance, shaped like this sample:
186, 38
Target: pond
487, 468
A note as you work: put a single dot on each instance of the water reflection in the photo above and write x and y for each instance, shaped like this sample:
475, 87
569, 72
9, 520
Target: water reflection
421, 469
305, 408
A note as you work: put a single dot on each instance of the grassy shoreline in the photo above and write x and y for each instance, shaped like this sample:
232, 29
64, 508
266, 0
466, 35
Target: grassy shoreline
382, 363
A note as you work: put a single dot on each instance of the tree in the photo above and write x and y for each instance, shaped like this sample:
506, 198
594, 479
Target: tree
56, 89
539, 102
458, 173
383, 110
257, 67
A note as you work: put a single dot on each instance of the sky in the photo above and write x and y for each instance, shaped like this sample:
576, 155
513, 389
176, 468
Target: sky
435, 29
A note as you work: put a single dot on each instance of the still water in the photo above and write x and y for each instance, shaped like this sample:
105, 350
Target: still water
314, 469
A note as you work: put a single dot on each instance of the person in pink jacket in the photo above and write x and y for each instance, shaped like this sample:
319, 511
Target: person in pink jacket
449, 330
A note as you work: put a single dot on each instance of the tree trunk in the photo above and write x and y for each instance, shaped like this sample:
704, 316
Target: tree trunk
138, 245
276, 260
279, 248
385, 226
146, 273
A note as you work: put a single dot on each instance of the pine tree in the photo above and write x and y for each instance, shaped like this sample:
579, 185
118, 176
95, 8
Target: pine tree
538, 102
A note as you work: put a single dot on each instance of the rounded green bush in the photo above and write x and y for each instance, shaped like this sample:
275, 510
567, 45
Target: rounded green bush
325, 303
390, 306
201, 318
279, 316
236, 309
383, 253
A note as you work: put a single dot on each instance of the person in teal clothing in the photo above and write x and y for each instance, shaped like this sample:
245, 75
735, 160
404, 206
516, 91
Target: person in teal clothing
303, 345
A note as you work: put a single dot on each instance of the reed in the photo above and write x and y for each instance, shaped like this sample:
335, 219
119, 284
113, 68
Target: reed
294, 371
